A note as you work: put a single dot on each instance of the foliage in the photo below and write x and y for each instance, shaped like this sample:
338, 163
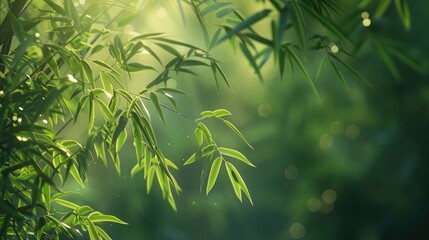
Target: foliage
52, 78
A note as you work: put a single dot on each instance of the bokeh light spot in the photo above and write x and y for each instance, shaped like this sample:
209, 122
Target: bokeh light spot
264, 110
366, 22
364, 15
329, 196
297, 230
314, 204
291, 172
334, 49
336, 128
325, 142
352, 131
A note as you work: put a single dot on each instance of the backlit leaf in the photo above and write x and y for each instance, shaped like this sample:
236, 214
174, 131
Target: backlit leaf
234, 154
214, 172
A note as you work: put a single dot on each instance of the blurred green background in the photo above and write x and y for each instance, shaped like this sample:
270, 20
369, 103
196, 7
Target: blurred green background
352, 166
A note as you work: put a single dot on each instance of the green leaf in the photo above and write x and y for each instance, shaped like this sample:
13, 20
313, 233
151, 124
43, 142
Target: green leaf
105, 66
72, 12
200, 18
93, 234
88, 73
340, 75
214, 7
17, 28
66, 203
237, 176
404, 12
157, 106
325, 22
234, 129
358, 75
245, 24
169, 49
191, 159
121, 140
381, 8
304, 71
199, 136
215, 67
207, 150
234, 154
108, 115
321, 67
147, 161
251, 60
145, 36
136, 67
83, 210
299, 24
206, 131
119, 128
214, 172
75, 173
207, 114
102, 233
99, 217
149, 180
100, 149
221, 113
234, 182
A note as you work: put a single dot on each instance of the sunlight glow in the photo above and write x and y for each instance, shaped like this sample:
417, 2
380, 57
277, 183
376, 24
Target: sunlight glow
352, 131
366, 22
329, 196
325, 142
314, 204
297, 230
364, 15
71, 78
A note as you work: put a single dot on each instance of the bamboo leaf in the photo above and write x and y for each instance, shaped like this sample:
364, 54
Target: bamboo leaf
404, 12
66, 203
199, 136
214, 172
119, 128
236, 131
214, 7
304, 71
206, 132
245, 24
149, 180
99, 217
93, 234
221, 113
340, 75
238, 177
251, 60
381, 8
235, 154
345, 64
157, 106
234, 182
